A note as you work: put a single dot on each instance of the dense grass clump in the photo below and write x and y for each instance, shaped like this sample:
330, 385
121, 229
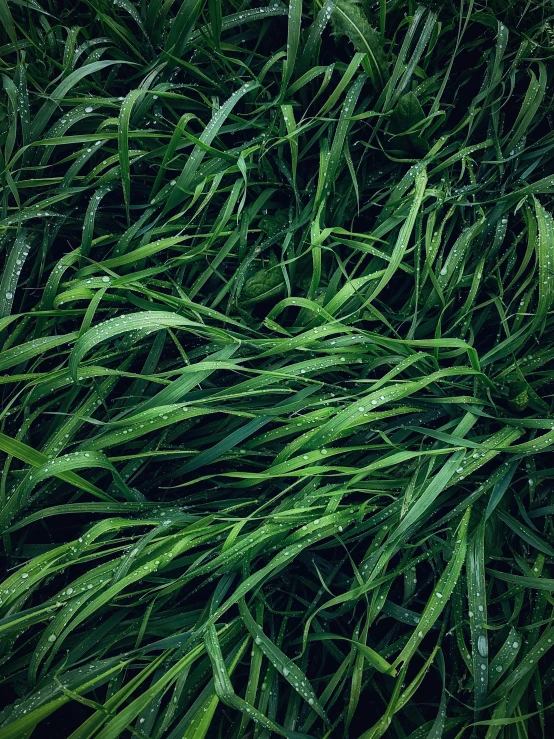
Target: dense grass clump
277, 354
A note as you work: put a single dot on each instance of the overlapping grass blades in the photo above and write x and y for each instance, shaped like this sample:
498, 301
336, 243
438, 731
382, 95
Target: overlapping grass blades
276, 367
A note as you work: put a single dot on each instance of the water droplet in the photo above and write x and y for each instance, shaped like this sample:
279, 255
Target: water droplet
482, 646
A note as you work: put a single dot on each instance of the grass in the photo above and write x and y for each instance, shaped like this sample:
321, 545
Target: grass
276, 369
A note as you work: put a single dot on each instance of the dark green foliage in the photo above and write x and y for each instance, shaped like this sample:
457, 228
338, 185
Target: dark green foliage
405, 122
276, 368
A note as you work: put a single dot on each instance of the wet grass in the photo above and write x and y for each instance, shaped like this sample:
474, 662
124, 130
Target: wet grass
277, 369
